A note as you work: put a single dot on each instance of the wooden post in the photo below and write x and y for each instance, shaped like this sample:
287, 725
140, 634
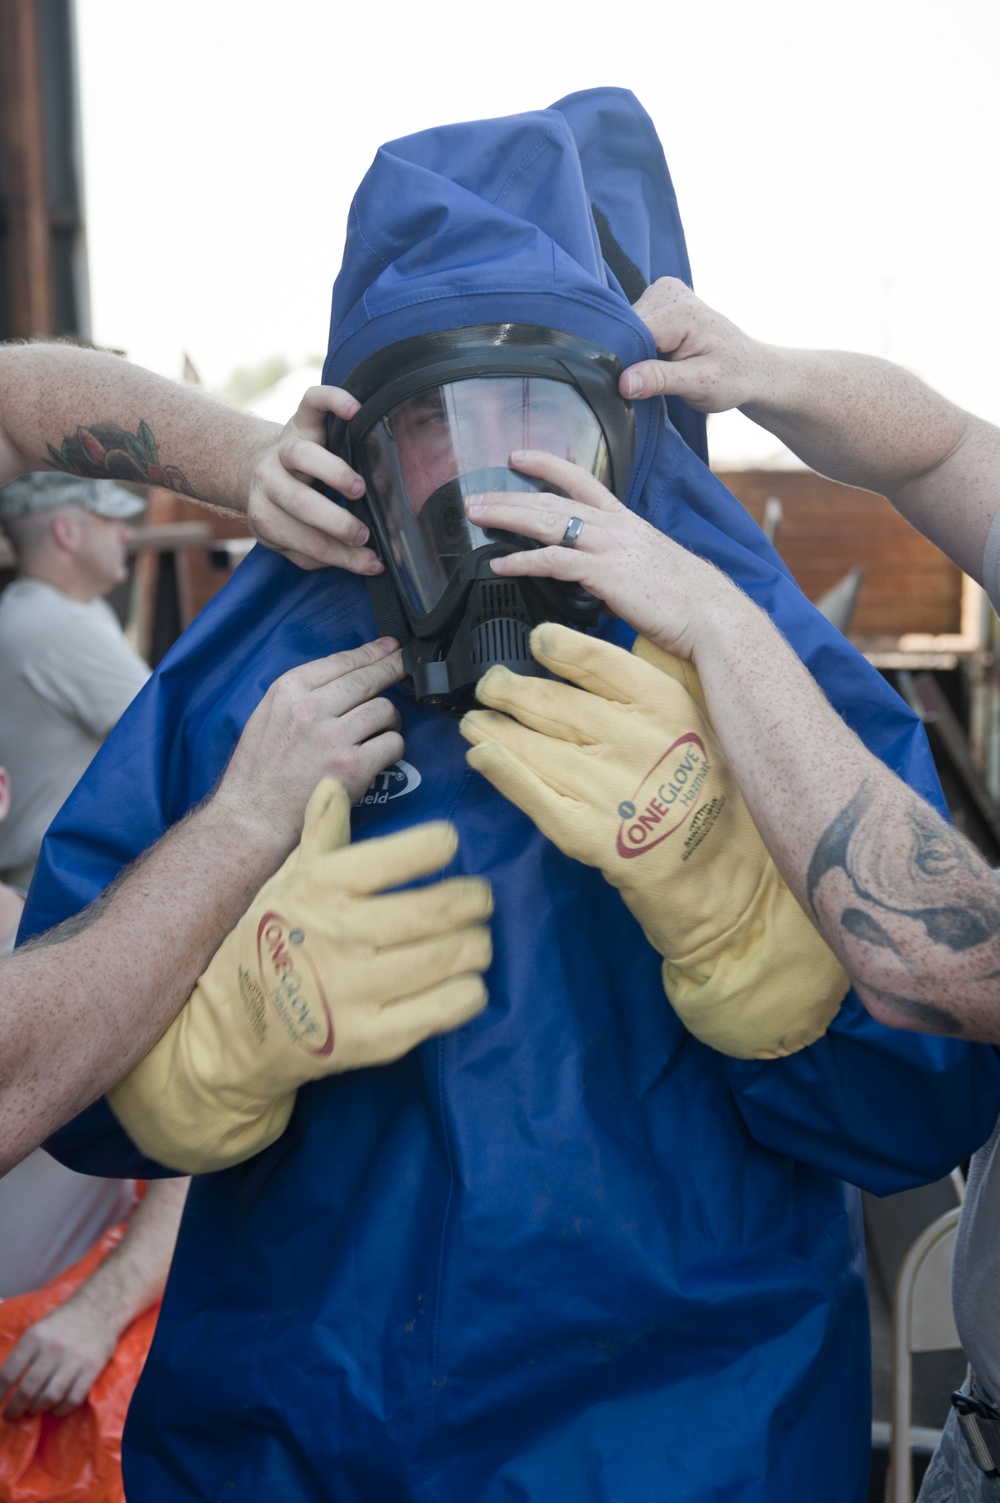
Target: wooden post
22, 140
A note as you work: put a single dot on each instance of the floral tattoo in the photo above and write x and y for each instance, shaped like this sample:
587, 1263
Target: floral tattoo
105, 451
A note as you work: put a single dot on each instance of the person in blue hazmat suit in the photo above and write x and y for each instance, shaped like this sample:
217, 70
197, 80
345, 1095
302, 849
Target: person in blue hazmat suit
570, 1249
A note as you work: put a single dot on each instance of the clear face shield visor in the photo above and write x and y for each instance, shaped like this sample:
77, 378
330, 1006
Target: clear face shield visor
425, 455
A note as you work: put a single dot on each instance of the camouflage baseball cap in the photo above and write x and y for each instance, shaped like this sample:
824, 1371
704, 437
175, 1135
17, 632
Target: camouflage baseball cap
43, 490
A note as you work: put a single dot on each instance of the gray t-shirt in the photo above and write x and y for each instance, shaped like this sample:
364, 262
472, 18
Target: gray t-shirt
976, 1268
66, 676
51, 1216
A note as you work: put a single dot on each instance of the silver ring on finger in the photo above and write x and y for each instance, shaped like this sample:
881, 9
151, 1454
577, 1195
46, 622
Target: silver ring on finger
571, 536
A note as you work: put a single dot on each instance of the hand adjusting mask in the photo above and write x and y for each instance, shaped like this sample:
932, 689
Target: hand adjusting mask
440, 416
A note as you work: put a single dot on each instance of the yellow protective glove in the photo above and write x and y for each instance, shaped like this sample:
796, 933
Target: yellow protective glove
624, 773
325, 972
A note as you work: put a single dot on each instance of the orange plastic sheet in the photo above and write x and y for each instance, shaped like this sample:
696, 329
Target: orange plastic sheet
75, 1459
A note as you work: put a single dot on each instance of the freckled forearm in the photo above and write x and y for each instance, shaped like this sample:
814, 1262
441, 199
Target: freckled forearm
912, 911
859, 419
77, 1013
95, 414
133, 1275
869, 423
795, 760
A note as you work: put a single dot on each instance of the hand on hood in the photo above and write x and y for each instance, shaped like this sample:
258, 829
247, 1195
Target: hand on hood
284, 509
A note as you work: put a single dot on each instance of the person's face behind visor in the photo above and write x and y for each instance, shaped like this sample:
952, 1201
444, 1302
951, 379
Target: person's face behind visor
445, 443
472, 425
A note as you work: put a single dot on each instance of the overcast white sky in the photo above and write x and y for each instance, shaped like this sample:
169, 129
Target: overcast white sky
835, 160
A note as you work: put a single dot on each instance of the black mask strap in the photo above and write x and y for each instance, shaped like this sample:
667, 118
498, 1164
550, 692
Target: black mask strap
390, 618
630, 278
689, 424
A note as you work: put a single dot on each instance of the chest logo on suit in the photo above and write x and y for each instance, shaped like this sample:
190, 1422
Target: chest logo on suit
393, 782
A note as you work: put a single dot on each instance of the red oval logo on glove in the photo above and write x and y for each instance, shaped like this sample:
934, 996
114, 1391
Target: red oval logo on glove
292, 982
665, 798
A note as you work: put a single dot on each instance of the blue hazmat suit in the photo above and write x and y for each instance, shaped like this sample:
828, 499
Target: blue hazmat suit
567, 1252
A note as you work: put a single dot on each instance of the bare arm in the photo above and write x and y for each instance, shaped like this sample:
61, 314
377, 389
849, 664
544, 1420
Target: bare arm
83, 1004
909, 907
57, 1360
853, 417
95, 414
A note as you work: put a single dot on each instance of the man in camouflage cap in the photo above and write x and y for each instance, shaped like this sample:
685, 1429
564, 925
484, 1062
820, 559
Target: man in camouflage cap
66, 671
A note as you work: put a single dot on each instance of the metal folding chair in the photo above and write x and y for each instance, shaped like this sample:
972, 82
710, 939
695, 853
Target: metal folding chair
922, 1321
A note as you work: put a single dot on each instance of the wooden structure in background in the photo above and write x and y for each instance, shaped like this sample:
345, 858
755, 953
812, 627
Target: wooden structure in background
158, 604
43, 275
206, 574
827, 529
25, 196
918, 618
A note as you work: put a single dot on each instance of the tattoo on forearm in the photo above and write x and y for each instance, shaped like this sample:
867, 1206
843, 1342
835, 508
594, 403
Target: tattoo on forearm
937, 855
105, 451
922, 871
938, 1019
863, 926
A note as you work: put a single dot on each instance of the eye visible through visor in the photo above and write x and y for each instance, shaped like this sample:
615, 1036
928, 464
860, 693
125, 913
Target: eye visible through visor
435, 448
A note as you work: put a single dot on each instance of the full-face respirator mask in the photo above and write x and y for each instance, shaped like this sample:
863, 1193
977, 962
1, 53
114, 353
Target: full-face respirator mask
440, 415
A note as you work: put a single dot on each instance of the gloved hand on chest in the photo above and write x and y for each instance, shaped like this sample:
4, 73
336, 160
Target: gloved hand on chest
327, 971
621, 769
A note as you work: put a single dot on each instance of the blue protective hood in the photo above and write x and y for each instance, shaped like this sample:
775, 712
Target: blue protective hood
494, 222
567, 1251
